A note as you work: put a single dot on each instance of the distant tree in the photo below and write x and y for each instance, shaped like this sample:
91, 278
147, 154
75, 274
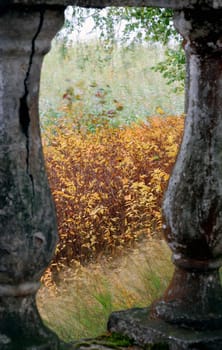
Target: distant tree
131, 25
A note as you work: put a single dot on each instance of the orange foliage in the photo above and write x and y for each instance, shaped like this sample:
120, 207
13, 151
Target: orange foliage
108, 185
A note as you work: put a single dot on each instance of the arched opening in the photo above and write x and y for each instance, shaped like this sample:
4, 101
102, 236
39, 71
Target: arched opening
110, 101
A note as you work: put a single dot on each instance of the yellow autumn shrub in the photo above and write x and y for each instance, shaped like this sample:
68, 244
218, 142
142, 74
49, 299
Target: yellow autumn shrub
108, 185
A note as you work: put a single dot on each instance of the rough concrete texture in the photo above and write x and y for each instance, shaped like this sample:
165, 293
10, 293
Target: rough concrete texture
177, 4
153, 334
104, 343
189, 315
193, 201
93, 345
27, 216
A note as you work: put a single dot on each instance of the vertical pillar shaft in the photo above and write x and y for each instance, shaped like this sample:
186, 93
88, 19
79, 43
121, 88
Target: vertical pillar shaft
27, 217
189, 314
193, 202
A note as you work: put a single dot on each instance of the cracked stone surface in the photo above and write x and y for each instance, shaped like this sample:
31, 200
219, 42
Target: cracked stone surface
192, 204
152, 334
27, 215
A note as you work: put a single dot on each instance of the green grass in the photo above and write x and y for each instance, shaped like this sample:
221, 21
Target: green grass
123, 75
87, 295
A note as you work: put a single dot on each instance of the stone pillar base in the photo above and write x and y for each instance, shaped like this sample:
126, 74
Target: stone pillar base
157, 334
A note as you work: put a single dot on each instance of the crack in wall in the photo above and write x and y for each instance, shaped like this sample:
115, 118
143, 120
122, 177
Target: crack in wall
24, 115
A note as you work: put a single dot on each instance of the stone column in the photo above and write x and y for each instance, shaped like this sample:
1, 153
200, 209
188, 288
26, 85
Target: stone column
27, 216
189, 315
193, 202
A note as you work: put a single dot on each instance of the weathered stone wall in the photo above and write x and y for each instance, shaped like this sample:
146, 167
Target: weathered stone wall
28, 231
192, 206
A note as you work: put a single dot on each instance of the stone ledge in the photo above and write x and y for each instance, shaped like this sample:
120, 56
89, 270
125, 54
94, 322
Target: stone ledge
157, 334
101, 343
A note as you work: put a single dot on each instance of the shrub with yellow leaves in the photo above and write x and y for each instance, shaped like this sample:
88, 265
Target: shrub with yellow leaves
108, 185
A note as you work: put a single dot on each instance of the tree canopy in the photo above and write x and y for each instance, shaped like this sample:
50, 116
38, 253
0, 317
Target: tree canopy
131, 25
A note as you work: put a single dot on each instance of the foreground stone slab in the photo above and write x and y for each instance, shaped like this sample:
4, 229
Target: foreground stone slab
137, 325
100, 343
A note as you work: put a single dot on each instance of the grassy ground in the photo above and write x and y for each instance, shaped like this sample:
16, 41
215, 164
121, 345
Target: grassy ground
124, 75
86, 296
